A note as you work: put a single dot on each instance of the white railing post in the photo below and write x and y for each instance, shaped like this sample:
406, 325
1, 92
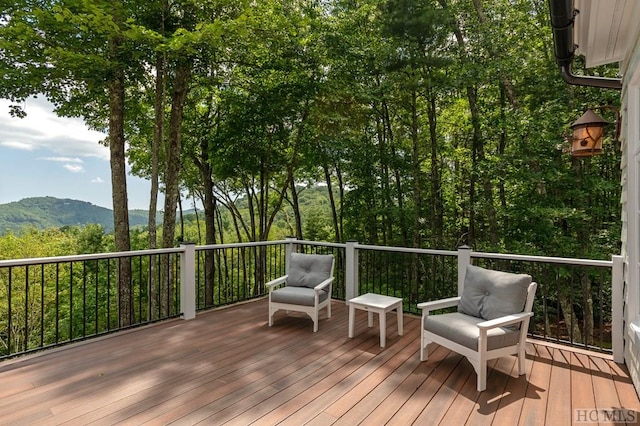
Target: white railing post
188, 281
617, 309
464, 259
351, 270
289, 248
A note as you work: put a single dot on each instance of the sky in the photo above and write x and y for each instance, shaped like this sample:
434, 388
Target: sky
45, 155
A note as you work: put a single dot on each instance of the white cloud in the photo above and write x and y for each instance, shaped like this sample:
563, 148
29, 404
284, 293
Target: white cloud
74, 168
43, 130
97, 180
63, 159
17, 145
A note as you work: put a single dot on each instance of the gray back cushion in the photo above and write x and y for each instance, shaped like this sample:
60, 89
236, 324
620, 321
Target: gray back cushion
492, 294
309, 270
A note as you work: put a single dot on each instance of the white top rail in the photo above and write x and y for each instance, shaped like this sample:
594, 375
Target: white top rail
407, 250
82, 257
320, 244
473, 254
544, 259
234, 245
477, 254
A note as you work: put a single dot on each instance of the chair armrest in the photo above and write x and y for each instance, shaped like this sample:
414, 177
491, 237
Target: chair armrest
439, 304
324, 284
277, 281
506, 320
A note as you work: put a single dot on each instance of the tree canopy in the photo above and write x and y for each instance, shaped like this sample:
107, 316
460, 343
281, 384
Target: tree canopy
428, 123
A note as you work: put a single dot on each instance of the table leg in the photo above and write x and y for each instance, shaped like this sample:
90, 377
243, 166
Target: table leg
351, 319
400, 319
383, 327
370, 318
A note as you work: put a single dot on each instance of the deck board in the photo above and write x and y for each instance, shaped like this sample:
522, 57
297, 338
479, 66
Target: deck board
228, 367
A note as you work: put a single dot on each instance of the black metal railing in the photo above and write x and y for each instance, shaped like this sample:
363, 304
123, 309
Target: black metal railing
231, 273
573, 304
413, 275
54, 301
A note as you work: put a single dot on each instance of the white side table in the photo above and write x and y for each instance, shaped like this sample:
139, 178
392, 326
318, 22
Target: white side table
379, 304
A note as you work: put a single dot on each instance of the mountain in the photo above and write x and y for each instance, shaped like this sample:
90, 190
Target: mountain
51, 212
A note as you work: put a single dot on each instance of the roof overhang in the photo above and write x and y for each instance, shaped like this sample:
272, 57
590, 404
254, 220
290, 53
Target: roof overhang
567, 31
605, 30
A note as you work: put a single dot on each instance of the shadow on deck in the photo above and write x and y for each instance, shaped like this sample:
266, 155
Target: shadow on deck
228, 366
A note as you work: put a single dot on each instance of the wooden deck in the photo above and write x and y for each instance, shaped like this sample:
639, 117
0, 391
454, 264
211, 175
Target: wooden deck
229, 367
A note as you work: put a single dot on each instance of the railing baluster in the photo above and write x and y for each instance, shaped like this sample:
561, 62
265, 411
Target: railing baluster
109, 295
57, 302
42, 284
26, 309
9, 310
70, 300
84, 298
239, 273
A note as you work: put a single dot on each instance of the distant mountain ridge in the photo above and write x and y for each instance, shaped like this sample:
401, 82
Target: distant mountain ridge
51, 212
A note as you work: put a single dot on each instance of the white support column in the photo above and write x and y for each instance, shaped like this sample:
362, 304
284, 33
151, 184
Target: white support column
464, 259
617, 309
290, 248
351, 270
188, 281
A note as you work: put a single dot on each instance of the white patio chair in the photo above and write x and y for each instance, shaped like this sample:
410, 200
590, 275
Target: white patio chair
306, 288
491, 322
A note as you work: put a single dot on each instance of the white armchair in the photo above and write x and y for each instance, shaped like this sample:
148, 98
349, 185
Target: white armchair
492, 319
306, 288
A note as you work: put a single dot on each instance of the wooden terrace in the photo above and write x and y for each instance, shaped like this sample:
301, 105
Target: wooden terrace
228, 367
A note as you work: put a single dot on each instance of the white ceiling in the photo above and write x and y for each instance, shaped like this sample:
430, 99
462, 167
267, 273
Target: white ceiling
605, 30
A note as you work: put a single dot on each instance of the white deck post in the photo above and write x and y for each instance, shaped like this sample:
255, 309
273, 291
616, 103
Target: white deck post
188, 281
464, 259
290, 248
617, 320
351, 270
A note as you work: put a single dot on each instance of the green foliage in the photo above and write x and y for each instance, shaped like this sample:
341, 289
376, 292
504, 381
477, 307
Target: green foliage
434, 124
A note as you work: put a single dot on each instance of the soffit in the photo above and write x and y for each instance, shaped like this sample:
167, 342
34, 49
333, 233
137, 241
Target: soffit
604, 30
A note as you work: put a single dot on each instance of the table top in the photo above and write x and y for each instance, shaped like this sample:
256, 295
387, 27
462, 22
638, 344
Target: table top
375, 300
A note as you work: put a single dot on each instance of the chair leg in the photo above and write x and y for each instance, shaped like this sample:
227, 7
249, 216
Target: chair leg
424, 351
481, 371
329, 309
521, 361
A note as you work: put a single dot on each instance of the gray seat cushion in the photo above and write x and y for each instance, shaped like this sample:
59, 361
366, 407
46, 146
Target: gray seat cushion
297, 296
492, 294
309, 270
463, 329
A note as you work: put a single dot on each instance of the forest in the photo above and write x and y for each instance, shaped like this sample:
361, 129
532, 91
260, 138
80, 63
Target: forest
429, 123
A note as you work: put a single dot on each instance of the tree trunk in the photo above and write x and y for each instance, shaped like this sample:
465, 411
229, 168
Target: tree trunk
570, 318
341, 188
417, 177
385, 136
506, 83
171, 176
478, 154
209, 204
588, 309
172, 161
437, 213
158, 137
295, 204
119, 174
332, 203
